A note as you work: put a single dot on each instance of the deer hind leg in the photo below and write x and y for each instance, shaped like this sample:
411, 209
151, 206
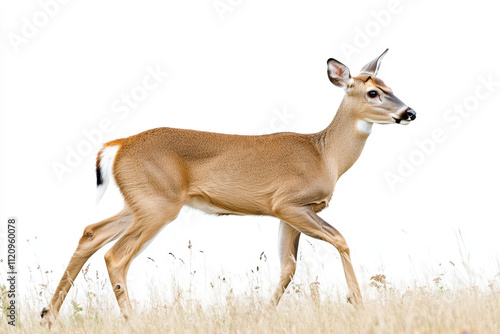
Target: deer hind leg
305, 220
288, 246
146, 225
94, 237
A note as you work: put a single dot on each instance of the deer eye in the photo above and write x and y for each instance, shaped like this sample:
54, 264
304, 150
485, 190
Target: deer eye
373, 93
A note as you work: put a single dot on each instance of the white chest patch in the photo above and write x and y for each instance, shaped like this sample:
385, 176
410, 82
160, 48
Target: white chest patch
364, 127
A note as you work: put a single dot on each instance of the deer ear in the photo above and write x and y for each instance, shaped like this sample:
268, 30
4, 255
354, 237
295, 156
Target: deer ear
338, 73
372, 67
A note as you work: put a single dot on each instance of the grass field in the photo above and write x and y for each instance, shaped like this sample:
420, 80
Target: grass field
184, 299
304, 309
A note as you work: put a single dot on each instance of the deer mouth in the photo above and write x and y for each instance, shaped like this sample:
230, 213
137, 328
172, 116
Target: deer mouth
406, 117
401, 121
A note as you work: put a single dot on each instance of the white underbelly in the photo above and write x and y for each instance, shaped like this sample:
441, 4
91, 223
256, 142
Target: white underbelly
202, 205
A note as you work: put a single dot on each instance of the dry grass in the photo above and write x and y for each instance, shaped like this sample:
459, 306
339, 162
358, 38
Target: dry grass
386, 310
434, 306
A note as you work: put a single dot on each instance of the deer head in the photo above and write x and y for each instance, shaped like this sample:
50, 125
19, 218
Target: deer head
370, 98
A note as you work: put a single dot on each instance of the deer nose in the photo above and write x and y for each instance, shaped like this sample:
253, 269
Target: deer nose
411, 114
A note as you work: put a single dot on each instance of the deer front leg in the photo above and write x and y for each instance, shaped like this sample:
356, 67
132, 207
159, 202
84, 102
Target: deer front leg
305, 220
288, 246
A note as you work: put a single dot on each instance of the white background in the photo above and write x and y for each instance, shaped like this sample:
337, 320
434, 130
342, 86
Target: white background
233, 69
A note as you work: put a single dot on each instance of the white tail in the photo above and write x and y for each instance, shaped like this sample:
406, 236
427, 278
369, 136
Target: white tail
104, 168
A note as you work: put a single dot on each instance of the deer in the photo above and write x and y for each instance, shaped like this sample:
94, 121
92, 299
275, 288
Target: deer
286, 175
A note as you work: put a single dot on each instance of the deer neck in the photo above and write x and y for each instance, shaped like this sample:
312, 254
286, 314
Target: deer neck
343, 140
